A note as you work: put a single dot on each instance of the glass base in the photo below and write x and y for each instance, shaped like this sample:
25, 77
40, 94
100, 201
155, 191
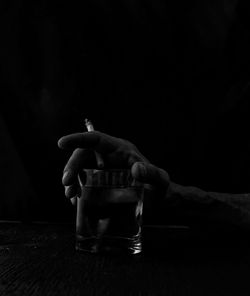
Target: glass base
110, 244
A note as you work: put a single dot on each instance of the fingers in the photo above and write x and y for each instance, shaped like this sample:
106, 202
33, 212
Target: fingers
148, 173
74, 168
97, 141
73, 200
71, 190
80, 158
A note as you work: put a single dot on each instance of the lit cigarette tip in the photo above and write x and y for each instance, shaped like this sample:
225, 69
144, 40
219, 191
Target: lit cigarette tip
89, 125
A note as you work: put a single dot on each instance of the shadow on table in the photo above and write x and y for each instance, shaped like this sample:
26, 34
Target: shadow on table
183, 243
174, 261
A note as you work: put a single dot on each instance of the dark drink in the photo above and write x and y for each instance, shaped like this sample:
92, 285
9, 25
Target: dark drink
109, 219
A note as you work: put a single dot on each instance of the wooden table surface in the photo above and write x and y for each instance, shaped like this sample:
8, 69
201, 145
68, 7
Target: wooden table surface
40, 259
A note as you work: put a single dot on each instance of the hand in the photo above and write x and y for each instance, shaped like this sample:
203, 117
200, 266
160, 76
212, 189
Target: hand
116, 153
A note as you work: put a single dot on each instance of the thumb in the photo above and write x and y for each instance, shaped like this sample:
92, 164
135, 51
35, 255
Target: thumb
150, 174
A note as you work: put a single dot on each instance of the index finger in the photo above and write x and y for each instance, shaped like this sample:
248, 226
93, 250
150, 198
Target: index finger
95, 140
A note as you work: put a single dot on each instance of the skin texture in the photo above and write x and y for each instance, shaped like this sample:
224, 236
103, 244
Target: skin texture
172, 202
116, 153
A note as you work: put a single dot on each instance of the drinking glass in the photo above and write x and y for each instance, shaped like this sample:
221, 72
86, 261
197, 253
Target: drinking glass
109, 212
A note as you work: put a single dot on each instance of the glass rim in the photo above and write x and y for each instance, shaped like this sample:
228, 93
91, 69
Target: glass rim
110, 178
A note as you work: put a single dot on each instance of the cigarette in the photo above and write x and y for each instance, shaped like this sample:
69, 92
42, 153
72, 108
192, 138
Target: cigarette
99, 160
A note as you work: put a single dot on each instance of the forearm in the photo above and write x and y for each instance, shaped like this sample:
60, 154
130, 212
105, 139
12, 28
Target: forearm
186, 205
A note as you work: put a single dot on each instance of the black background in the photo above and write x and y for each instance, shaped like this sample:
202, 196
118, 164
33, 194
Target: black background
170, 76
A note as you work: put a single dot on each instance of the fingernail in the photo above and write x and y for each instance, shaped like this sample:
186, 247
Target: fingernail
142, 170
66, 190
139, 171
73, 200
65, 174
